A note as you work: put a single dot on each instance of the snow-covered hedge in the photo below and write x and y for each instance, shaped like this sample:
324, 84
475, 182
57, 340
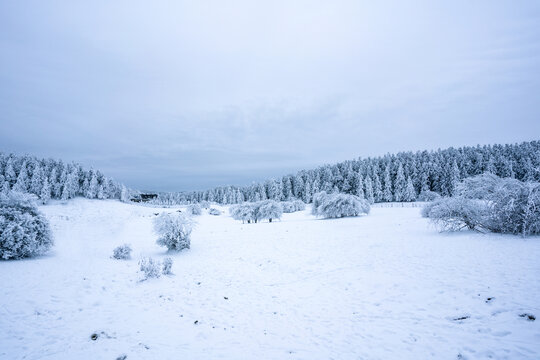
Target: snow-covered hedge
339, 205
503, 205
174, 230
24, 231
122, 252
194, 209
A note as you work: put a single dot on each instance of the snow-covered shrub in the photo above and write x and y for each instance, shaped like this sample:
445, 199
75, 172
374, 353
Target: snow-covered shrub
167, 266
205, 204
214, 211
317, 201
150, 267
194, 209
428, 195
288, 207
268, 209
338, 205
122, 252
515, 207
293, 206
503, 205
452, 214
174, 230
479, 187
24, 231
299, 205
244, 212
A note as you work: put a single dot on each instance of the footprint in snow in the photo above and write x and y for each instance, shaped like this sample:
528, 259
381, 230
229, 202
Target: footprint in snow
529, 317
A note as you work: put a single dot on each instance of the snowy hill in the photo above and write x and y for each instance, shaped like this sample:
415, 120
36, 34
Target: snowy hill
385, 286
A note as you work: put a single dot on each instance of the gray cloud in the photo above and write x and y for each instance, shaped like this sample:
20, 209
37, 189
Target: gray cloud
187, 95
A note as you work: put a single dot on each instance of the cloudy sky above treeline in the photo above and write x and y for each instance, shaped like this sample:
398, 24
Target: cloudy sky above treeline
172, 95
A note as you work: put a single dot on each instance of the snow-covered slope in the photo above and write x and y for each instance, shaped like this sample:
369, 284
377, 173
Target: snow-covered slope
384, 286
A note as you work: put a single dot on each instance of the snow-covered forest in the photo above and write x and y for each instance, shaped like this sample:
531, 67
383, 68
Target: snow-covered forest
54, 179
404, 176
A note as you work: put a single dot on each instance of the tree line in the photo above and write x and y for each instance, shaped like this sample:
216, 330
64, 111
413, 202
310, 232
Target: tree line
404, 176
54, 179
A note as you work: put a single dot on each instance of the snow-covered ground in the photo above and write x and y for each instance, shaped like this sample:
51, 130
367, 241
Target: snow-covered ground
384, 286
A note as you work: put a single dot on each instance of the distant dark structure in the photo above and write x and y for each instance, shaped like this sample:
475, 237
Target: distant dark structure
144, 197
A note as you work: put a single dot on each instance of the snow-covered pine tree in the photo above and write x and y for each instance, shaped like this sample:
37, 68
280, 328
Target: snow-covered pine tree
92, 191
410, 193
45, 192
22, 180
360, 187
387, 192
400, 185
37, 180
370, 197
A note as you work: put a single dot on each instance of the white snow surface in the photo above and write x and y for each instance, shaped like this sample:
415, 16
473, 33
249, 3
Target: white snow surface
382, 286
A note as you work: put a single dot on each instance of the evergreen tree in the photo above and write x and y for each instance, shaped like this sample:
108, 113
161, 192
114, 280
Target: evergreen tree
45, 192
22, 180
387, 192
360, 187
37, 180
410, 193
370, 197
400, 186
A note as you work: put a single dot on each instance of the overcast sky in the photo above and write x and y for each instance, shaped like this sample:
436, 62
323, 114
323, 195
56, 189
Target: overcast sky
167, 95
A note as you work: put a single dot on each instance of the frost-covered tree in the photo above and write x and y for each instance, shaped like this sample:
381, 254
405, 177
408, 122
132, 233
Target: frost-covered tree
242, 212
36, 183
360, 187
387, 192
340, 205
71, 185
174, 231
24, 231
370, 196
410, 193
45, 193
270, 210
9, 172
400, 185
92, 191
124, 195
21, 186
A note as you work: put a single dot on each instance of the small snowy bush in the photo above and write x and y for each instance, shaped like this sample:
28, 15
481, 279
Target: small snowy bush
24, 231
167, 266
339, 205
194, 209
122, 252
214, 211
150, 268
174, 230
428, 195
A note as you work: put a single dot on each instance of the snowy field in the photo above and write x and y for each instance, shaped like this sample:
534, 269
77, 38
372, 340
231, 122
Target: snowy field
384, 286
